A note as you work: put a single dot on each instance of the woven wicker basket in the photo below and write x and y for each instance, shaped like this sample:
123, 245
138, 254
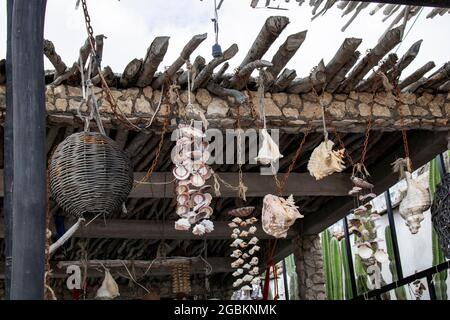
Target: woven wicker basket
440, 214
90, 174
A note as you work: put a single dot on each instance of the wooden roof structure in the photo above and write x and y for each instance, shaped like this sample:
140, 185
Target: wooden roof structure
137, 234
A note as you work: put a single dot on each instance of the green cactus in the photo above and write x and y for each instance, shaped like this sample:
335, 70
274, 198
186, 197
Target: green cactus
361, 276
348, 294
327, 264
293, 280
336, 270
400, 292
438, 256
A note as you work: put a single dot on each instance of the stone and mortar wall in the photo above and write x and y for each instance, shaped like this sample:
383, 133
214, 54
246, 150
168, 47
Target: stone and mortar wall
309, 267
289, 112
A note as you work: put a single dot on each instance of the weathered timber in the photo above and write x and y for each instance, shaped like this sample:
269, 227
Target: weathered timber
109, 76
233, 96
342, 56
416, 75
286, 51
217, 77
445, 87
317, 78
360, 7
373, 82
71, 73
284, 80
131, 73
155, 55
206, 73
334, 83
404, 61
389, 41
178, 63
85, 50
440, 76
269, 33
197, 66
99, 51
240, 78
54, 58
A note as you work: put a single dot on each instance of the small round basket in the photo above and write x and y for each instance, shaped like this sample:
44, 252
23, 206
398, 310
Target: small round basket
440, 214
90, 174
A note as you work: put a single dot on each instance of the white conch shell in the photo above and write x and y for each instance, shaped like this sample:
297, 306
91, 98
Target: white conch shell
269, 151
324, 161
364, 250
109, 288
416, 201
252, 230
278, 214
199, 230
381, 256
208, 224
182, 224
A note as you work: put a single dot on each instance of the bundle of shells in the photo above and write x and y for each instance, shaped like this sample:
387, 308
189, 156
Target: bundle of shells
246, 246
191, 172
181, 278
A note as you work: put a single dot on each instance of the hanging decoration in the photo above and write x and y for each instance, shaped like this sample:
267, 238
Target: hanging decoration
181, 279
278, 214
324, 161
246, 246
109, 288
216, 49
440, 214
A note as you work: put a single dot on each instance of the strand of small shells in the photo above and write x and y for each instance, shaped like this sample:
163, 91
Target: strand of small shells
181, 278
191, 172
246, 246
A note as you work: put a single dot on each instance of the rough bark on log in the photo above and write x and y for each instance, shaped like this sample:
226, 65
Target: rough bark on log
217, 77
349, 8
286, 51
99, 50
317, 78
361, 7
404, 62
334, 83
389, 41
342, 56
72, 73
109, 76
54, 58
235, 97
204, 75
85, 50
415, 85
197, 66
440, 76
178, 63
325, 8
239, 80
445, 87
284, 80
374, 80
416, 75
269, 33
155, 55
131, 72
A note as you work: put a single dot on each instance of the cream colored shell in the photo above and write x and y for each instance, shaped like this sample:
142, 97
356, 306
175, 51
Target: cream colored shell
324, 161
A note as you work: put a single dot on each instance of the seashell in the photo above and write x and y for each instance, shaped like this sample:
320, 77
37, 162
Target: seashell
109, 288
182, 199
246, 288
180, 172
364, 250
236, 253
256, 280
190, 132
182, 141
269, 151
236, 274
241, 212
206, 211
412, 206
244, 234
236, 243
197, 180
237, 220
182, 224
243, 244
197, 198
361, 183
254, 261
239, 261
251, 220
208, 224
208, 198
355, 190
234, 235
232, 225
243, 224
182, 210
203, 170
237, 283
252, 230
254, 271
359, 210
278, 214
236, 230
381, 256
367, 196
374, 216
247, 266
180, 189
324, 161
199, 230
253, 240
247, 278
245, 256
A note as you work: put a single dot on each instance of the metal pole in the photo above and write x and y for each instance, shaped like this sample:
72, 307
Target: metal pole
285, 280
431, 287
349, 257
8, 153
29, 167
390, 213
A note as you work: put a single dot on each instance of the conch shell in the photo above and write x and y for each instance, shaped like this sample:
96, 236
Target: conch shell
416, 201
109, 288
324, 161
269, 152
278, 214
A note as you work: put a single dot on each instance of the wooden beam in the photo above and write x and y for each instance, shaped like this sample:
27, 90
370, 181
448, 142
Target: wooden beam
424, 146
155, 55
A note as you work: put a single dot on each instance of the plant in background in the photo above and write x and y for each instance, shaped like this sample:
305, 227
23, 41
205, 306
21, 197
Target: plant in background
400, 292
348, 294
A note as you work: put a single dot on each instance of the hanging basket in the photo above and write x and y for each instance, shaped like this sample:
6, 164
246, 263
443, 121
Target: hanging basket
90, 174
440, 214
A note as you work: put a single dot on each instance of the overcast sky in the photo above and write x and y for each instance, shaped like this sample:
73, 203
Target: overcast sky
131, 25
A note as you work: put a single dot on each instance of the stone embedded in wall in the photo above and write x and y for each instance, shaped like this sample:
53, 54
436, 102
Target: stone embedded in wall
311, 110
217, 108
281, 99
364, 110
424, 99
148, 92
290, 113
74, 92
60, 91
142, 106
203, 97
404, 110
351, 108
436, 104
418, 111
61, 105
381, 111
336, 109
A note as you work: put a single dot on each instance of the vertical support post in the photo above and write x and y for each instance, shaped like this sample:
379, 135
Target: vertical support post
398, 263
285, 280
348, 250
8, 153
29, 200
431, 288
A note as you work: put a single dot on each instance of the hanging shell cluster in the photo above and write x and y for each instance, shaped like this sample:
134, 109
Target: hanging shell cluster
416, 201
191, 172
269, 151
440, 214
109, 288
278, 214
324, 161
181, 278
245, 245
